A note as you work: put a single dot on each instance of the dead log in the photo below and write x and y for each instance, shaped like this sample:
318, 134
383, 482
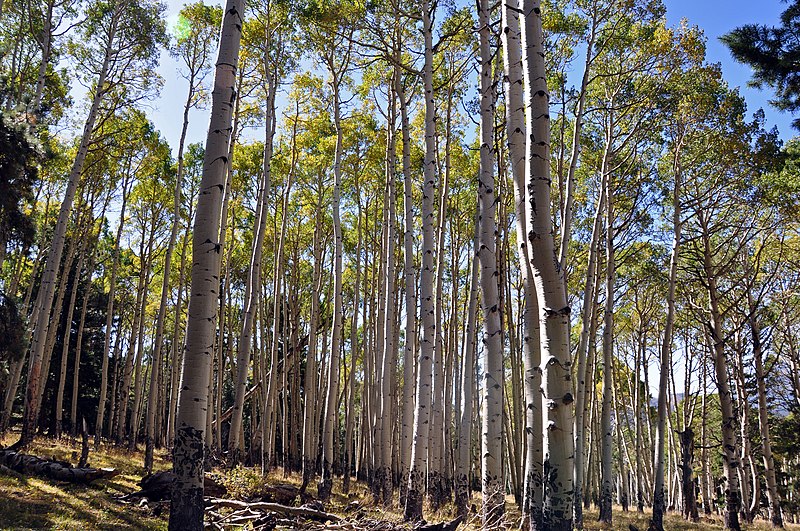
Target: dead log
52, 469
283, 493
452, 525
157, 487
303, 512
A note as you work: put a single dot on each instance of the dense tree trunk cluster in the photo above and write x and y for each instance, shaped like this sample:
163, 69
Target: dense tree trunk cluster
386, 281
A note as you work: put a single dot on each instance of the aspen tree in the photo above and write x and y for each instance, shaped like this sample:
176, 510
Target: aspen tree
549, 280
194, 51
120, 42
187, 509
607, 482
73, 415
101, 405
515, 137
492, 414
62, 374
464, 458
310, 406
337, 66
773, 496
419, 450
274, 19
384, 474
409, 276
659, 505
44, 301
355, 346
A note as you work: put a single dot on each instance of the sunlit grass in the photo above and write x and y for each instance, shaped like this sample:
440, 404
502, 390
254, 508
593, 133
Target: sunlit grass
32, 503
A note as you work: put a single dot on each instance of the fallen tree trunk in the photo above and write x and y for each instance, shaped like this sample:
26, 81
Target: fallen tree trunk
158, 486
49, 468
303, 512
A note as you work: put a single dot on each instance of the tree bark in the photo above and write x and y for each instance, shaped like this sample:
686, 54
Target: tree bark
550, 289
186, 511
492, 415
419, 450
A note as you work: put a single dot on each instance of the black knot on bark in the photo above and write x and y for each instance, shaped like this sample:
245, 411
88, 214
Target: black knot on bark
568, 399
550, 312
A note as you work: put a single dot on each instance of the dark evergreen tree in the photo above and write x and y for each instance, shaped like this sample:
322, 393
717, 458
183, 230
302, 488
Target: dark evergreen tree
774, 54
19, 158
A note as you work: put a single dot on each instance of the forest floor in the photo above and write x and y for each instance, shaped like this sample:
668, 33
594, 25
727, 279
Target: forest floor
33, 503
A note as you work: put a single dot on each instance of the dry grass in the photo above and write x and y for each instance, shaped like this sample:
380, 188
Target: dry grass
31, 503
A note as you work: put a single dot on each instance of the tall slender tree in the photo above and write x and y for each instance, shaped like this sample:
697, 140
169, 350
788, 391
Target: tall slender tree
187, 509
121, 40
554, 311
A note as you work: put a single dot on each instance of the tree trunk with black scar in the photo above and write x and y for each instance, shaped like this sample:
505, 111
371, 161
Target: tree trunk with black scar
187, 509
688, 490
554, 310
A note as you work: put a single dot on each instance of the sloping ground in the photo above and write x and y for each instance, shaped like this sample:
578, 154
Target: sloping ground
32, 503
672, 522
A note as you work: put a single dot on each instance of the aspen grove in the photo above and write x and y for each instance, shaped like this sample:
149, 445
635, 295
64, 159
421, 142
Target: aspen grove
534, 262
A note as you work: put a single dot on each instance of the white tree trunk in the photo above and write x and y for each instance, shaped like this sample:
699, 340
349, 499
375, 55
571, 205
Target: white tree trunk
409, 274
659, 506
492, 415
330, 424
253, 286
606, 466
464, 459
419, 450
775, 516
101, 405
187, 509
549, 279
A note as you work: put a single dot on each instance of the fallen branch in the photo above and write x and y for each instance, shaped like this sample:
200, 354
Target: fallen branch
303, 512
48, 468
229, 412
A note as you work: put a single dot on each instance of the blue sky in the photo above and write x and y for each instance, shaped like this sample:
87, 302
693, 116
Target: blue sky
715, 17
718, 17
